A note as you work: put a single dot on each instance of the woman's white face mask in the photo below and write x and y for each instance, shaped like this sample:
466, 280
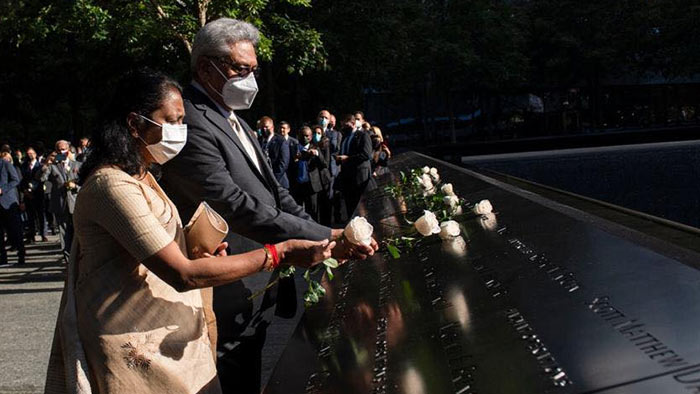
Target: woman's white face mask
174, 137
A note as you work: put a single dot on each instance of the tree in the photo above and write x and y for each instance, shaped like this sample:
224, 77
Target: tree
66, 55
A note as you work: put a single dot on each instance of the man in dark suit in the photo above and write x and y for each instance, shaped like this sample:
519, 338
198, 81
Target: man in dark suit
335, 139
285, 130
10, 221
222, 164
276, 148
306, 172
61, 172
33, 190
355, 158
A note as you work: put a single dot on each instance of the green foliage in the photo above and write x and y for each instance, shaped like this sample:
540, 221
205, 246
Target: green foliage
67, 54
393, 251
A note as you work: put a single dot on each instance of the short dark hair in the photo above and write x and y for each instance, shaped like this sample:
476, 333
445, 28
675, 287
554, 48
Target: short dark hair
284, 123
359, 112
141, 92
348, 118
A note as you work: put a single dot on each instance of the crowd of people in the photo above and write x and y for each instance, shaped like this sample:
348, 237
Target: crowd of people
38, 190
327, 166
140, 312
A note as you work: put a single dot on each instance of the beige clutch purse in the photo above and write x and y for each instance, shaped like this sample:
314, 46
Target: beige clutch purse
205, 231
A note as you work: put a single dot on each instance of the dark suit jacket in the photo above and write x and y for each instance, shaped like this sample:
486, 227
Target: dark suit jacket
356, 171
278, 153
31, 178
317, 167
214, 167
60, 200
335, 139
9, 180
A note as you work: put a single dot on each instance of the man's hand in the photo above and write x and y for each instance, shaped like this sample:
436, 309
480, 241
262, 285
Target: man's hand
344, 250
303, 253
341, 158
336, 233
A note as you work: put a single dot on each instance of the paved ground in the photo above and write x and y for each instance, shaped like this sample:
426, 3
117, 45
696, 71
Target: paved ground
29, 298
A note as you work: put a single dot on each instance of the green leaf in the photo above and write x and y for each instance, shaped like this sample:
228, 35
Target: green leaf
307, 275
393, 251
313, 297
287, 271
331, 262
316, 287
329, 273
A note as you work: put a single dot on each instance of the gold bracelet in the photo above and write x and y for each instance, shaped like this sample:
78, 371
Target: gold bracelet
268, 257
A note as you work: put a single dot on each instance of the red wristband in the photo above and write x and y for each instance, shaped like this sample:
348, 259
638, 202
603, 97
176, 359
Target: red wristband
275, 257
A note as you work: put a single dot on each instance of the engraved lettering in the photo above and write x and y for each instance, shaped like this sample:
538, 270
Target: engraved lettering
653, 348
692, 376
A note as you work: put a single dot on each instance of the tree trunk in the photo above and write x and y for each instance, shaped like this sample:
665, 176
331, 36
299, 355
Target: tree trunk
202, 7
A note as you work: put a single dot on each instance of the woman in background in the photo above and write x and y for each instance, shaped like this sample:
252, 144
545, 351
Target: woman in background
380, 152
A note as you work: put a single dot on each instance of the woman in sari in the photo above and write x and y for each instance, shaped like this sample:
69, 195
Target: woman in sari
135, 315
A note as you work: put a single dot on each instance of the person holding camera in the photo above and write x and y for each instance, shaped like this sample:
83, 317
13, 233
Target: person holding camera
310, 172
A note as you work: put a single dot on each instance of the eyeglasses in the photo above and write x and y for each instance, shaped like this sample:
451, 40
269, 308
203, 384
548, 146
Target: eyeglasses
239, 69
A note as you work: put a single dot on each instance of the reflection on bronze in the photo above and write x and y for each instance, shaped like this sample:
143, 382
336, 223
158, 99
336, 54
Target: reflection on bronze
541, 298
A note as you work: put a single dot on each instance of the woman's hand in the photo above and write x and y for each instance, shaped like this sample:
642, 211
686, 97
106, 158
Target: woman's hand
304, 253
219, 252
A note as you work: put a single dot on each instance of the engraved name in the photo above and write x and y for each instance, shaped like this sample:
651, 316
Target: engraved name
537, 348
636, 333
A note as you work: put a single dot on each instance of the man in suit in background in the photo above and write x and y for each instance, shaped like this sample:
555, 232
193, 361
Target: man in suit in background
10, 221
222, 164
33, 190
285, 130
355, 159
276, 148
61, 172
335, 139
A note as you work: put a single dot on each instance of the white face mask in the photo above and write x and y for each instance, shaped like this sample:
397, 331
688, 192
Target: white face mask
358, 124
174, 137
237, 92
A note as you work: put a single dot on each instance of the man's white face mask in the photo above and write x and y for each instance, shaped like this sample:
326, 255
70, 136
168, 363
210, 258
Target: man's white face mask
174, 137
238, 92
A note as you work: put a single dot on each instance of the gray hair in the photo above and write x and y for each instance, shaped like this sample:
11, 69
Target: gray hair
216, 37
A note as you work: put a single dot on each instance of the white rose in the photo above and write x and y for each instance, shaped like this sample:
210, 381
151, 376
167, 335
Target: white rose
426, 181
451, 201
427, 224
483, 207
456, 210
447, 189
488, 221
426, 170
434, 174
455, 246
359, 231
449, 229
